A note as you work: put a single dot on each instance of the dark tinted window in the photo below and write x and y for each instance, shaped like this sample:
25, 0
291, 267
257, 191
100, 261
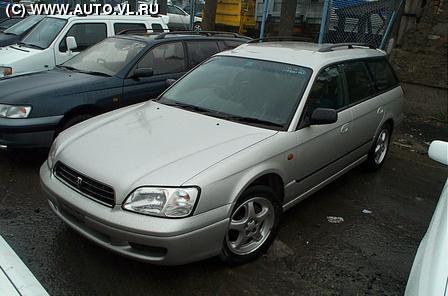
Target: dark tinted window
165, 58
382, 73
327, 91
157, 28
358, 81
119, 27
229, 44
200, 51
86, 35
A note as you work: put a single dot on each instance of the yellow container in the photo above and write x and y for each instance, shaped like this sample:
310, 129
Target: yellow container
239, 14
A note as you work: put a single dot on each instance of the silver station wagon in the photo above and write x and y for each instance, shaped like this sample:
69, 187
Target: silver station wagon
207, 168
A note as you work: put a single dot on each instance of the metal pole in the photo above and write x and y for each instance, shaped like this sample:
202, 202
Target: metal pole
264, 17
192, 12
323, 24
390, 26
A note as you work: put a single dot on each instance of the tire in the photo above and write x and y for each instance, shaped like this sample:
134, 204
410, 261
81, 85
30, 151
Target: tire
197, 26
255, 235
380, 149
74, 121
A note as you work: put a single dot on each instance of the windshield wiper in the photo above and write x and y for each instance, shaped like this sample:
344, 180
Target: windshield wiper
243, 119
30, 45
189, 107
97, 73
67, 67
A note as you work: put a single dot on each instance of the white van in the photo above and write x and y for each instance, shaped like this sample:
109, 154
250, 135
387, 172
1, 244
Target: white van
46, 45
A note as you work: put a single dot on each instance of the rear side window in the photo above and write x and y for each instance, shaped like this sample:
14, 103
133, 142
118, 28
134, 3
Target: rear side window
120, 27
199, 51
165, 58
229, 44
382, 73
359, 84
157, 28
85, 34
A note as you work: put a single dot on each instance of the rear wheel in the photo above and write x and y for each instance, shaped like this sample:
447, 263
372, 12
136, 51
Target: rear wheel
197, 26
379, 150
253, 226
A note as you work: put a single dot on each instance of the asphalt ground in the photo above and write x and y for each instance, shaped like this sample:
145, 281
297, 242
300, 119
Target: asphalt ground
370, 253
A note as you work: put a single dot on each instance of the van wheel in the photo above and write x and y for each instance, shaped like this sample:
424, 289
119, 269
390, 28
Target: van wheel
379, 150
74, 121
253, 226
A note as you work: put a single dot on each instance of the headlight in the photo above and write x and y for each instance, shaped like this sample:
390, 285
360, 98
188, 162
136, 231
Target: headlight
5, 71
162, 202
52, 154
10, 111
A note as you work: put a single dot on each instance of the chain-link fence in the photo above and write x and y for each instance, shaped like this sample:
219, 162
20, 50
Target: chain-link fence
360, 21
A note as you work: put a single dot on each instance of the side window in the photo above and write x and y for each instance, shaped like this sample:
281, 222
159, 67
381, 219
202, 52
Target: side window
327, 91
86, 35
382, 73
172, 9
229, 44
120, 27
165, 58
199, 51
358, 81
157, 28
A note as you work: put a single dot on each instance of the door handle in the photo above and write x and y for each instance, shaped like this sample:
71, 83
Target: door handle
380, 110
345, 128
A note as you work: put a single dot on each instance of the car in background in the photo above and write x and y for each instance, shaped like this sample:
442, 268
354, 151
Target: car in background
9, 22
119, 71
3, 7
207, 168
429, 274
58, 38
179, 19
15, 278
198, 9
14, 34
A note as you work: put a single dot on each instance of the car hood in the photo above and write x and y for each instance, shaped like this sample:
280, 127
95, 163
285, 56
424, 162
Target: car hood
429, 274
28, 88
7, 39
13, 53
152, 144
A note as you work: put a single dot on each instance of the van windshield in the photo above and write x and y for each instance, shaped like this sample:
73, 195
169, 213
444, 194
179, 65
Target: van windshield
23, 26
44, 33
249, 91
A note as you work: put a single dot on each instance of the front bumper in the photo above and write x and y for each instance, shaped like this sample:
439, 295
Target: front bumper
144, 238
28, 132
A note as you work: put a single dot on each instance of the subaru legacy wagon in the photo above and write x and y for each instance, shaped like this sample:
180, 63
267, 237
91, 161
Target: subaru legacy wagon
208, 167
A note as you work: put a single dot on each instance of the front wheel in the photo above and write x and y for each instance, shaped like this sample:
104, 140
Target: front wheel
379, 150
197, 26
252, 227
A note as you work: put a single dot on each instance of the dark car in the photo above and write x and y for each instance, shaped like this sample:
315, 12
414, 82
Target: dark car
119, 71
3, 7
15, 34
9, 22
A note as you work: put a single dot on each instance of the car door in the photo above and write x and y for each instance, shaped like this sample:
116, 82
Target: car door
323, 150
168, 61
86, 35
366, 106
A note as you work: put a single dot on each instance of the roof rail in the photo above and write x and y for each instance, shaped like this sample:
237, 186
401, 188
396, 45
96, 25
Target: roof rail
141, 31
204, 33
330, 47
282, 38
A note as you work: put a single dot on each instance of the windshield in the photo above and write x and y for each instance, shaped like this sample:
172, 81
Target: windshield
44, 33
249, 91
98, 58
8, 23
24, 25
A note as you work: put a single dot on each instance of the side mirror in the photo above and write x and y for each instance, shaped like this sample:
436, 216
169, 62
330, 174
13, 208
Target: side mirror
322, 116
70, 41
143, 72
438, 151
170, 82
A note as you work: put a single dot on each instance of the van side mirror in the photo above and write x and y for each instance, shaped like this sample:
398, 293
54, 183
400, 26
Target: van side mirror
322, 116
438, 151
143, 72
170, 82
70, 41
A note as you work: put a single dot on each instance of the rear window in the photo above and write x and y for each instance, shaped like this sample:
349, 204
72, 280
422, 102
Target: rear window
383, 74
229, 44
199, 51
120, 27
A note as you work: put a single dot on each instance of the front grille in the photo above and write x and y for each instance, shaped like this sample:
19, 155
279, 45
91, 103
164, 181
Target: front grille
89, 187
